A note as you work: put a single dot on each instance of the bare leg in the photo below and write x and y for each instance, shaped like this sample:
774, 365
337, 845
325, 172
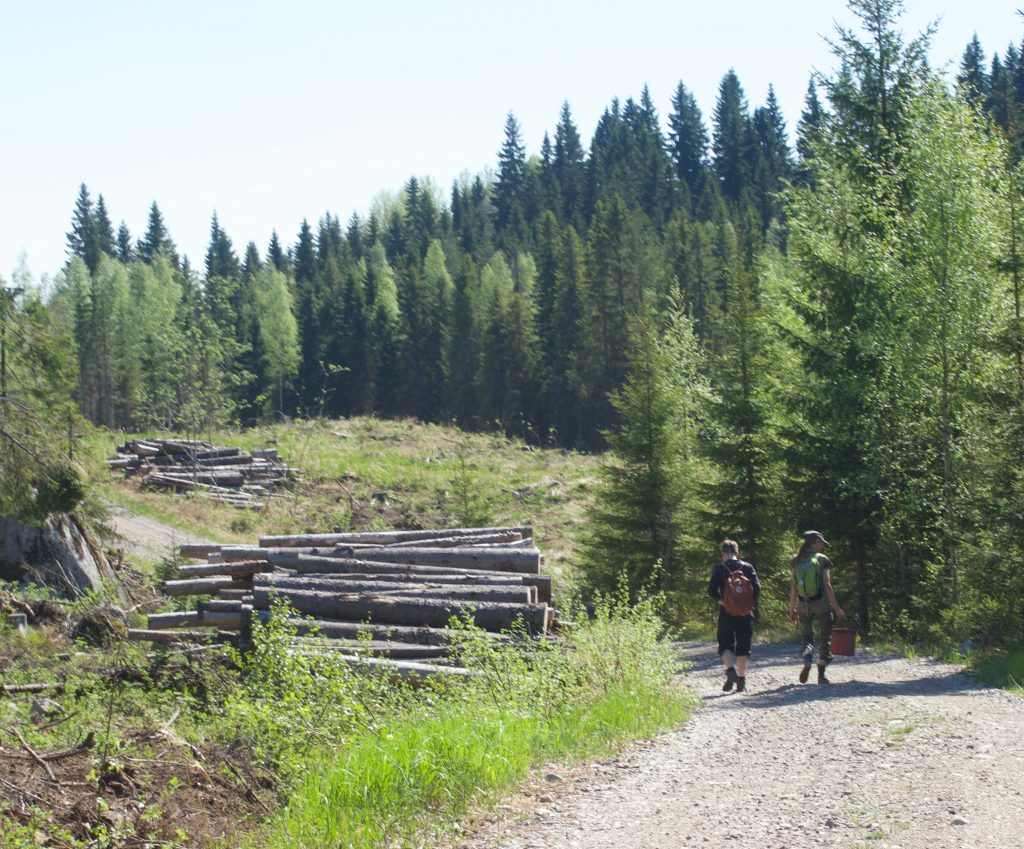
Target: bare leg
728, 659
741, 665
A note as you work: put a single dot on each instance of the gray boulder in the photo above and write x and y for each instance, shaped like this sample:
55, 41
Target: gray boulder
61, 554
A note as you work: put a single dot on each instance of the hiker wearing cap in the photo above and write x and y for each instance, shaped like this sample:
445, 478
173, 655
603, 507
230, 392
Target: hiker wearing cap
735, 586
811, 598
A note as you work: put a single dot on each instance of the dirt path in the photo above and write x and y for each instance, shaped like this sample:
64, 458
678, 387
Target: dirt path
146, 537
895, 754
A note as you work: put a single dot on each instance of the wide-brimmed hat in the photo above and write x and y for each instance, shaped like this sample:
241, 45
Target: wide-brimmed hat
812, 535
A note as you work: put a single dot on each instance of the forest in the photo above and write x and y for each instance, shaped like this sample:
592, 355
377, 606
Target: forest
763, 334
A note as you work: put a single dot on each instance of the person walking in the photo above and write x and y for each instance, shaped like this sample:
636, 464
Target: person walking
735, 586
811, 598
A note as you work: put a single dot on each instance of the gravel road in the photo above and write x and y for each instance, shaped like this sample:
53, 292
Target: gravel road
146, 537
895, 754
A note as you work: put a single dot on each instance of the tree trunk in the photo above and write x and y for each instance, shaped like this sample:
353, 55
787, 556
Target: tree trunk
471, 592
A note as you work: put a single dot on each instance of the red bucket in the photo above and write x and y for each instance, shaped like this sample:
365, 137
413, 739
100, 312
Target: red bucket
843, 640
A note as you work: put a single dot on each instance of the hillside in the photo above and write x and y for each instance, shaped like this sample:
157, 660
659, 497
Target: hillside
370, 474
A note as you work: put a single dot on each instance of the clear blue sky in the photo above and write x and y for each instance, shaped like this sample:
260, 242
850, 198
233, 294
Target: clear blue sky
270, 113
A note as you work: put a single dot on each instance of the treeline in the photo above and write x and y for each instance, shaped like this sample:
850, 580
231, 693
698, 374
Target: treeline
503, 306
771, 337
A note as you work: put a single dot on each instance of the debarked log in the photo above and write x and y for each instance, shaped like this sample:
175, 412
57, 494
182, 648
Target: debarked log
171, 637
470, 592
314, 564
382, 537
333, 629
228, 619
242, 567
376, 648
203, 586
402, 610
525, 561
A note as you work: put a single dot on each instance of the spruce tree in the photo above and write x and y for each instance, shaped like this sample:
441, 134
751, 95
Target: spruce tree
688, 141
123, 248
569, 168
973, 78
509, 219
732, 140
156, 240
82, 238
643, 509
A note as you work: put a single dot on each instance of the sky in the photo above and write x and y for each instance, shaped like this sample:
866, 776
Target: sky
271, 113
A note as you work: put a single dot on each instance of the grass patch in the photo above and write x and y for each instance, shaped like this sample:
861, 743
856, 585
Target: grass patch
414, 772
1001, 669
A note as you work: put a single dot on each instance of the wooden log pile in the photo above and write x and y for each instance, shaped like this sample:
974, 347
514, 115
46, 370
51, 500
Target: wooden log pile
388, 595
237, 477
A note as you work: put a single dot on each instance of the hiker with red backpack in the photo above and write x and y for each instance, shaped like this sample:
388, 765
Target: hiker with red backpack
811, 598
737, 589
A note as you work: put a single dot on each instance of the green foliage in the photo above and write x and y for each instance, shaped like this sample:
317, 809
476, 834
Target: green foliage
415, 770
643, 506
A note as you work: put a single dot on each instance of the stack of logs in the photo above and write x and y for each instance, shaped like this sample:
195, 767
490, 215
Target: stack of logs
383, 598
240, 478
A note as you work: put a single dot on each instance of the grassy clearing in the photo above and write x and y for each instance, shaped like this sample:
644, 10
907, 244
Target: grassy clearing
372, 474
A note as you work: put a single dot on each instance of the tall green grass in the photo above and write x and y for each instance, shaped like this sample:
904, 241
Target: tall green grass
399, 778
1005, 670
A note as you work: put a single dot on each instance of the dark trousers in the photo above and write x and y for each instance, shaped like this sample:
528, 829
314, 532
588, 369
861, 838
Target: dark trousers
735, 633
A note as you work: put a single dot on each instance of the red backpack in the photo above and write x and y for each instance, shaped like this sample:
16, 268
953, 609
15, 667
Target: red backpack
738, 592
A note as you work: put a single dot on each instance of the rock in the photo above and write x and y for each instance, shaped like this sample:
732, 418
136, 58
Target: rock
553, 778
959, 820
60, 554
18, 622
43, 710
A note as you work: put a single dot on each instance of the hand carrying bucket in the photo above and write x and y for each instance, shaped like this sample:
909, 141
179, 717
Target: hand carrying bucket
843, 640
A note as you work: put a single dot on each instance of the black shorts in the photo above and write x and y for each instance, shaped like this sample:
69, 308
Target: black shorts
735, 633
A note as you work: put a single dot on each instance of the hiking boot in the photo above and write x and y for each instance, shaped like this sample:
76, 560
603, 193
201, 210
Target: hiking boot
741, 683
730, 679
821, 676
805, 673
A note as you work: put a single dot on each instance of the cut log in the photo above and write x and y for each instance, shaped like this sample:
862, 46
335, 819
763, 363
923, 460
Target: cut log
171, 637
312, 564
202, 586
471, 592
217, 452
243, 567
228, 619
410, 671
453, 542
381, 537
375, 648
333, 629
198, 549
207, 476
235, 595
401, 610
525, 561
